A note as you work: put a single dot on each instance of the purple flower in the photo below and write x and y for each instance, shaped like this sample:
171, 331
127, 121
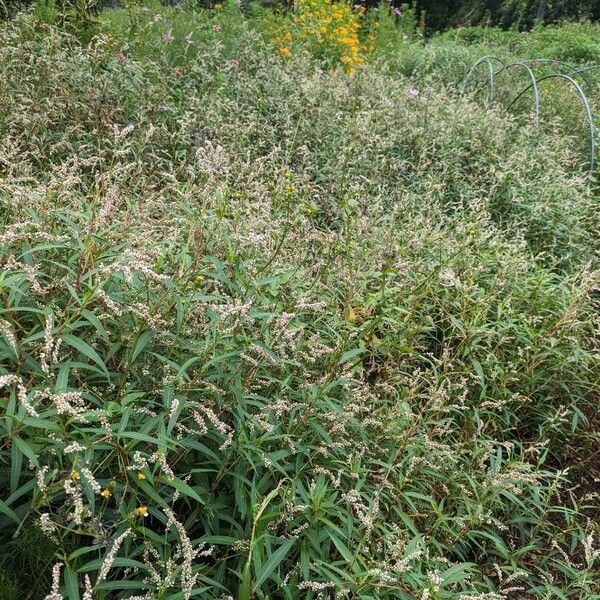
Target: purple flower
168, 37
412, 92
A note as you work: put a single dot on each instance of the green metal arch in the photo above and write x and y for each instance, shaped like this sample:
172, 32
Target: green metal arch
489, 60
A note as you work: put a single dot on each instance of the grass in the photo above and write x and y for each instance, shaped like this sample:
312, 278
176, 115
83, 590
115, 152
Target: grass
271, 329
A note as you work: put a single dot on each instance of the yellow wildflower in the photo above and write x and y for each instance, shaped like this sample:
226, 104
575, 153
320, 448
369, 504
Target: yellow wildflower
106, 493
142, 511
140, 475
328, 28
75, 475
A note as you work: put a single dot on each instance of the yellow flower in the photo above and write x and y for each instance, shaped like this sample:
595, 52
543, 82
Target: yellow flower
142, 511
326, 26
199, 279
106, 493
75, 475
140, 475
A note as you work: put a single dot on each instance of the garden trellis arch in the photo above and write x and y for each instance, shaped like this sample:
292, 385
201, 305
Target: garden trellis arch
534, 86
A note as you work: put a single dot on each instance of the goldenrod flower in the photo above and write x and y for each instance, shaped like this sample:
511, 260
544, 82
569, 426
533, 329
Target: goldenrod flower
142, 511
75, 475
329, 27
106, 493
141, 475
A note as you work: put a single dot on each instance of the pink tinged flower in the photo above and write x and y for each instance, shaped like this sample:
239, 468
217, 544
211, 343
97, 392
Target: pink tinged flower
412, 92
168, 37
122, 57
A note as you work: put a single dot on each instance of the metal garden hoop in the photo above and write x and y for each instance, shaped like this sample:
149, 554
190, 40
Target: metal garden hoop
535, 86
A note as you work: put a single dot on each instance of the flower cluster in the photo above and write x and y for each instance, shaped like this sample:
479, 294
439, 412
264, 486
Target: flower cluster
327, 29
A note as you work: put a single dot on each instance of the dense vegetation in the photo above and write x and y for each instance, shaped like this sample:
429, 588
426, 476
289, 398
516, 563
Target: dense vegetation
283, 314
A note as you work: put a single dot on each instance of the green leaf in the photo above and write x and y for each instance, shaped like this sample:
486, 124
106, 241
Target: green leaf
305, 561
62, 379
26, 450
183, 487
141, 343
245, 589
119, 561
223, 540
351, 354
71, 585
350, 558
122, 585
40, 423
24, 489
273, 561
151, 493
457, 573
16, 462
95, 321
9, 512
81, 551
142, 437
85, 349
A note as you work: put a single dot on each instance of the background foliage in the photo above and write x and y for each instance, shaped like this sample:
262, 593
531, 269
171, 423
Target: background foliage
520, 14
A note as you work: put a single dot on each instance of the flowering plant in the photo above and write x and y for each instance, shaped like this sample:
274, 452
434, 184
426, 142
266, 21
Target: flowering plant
329, 29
